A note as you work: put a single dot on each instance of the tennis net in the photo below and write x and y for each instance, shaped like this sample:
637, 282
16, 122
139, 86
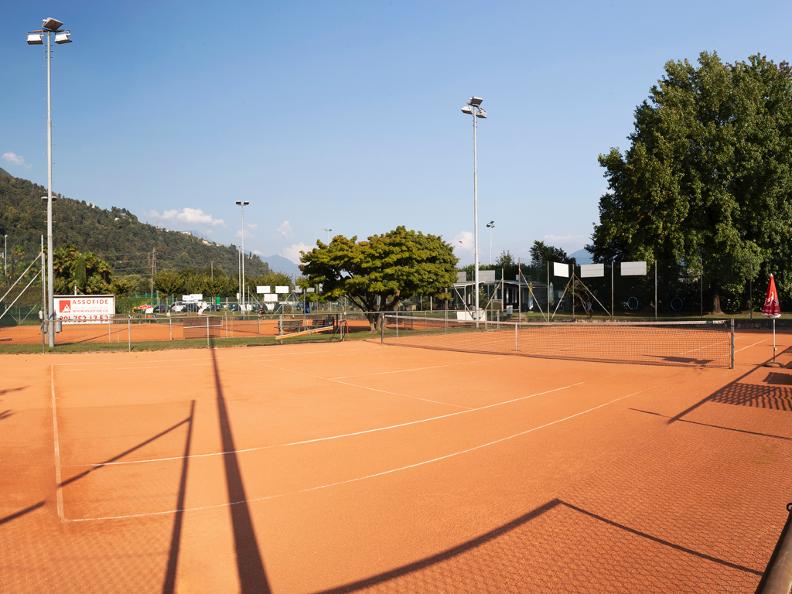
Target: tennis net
688, 343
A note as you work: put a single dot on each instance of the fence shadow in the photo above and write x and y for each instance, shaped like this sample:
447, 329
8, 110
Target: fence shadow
756, 396
514, 524
780, 379
4, 414
4, 391
250, 565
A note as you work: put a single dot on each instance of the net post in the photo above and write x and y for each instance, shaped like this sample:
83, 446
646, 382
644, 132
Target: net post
170, 327
396, 311
129, 333
109, 326
207, 332
382, 327
731, 342
517, 338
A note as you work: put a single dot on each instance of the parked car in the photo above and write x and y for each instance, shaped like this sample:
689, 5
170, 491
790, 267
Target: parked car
160, 308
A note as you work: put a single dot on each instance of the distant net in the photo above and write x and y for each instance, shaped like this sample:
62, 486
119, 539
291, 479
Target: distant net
692, 343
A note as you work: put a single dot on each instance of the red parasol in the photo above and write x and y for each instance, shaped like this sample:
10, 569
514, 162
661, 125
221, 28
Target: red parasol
772, 306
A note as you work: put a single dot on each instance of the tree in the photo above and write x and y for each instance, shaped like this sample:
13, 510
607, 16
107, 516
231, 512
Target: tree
83, 271
169, 282
706, 178
541, 253
125, 285
376, 274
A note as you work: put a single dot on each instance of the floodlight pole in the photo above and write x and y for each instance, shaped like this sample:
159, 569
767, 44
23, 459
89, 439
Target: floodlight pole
474, 109
242, 204
50, 271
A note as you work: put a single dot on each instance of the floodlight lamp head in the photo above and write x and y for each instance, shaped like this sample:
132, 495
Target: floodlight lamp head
35, 39
51, 24
466, 109
481, 113
475, 101
63, 37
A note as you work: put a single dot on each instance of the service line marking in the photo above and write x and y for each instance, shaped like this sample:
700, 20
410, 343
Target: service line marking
381, 391
751, 345
407, 370
56, 446
335, 437
381, 473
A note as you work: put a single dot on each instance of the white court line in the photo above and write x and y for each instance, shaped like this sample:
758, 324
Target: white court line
409, 369
334, 437
380, 391
176, 363
56, 446
751, 345
359, 478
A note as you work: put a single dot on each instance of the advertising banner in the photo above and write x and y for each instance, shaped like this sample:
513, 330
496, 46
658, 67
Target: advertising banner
85, 309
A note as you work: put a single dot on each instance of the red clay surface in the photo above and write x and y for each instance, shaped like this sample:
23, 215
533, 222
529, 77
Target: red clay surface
302, 468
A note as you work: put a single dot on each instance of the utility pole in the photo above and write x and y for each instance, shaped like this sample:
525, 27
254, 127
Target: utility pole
153, 262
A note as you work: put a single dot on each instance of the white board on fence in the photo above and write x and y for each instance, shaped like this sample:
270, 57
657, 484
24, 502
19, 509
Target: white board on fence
467, 316
270, 298
85, 309
298, 290
282, 289
592, 270
270, 306
461, 277
633, 268
263, 289
192, 298
310, 290
486, 276
560, 269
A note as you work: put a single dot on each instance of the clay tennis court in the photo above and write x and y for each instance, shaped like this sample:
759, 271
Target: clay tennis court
356, 465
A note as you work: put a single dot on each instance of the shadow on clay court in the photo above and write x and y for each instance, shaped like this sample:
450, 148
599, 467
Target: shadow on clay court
8, 390
781, 379
746, 431
97, 466
4, 414
743, 394
504, 530
250, 565
169, 584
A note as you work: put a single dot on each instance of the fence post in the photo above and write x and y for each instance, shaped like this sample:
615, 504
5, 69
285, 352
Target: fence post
207, 331
109, 326
731, 361
129, 333
396, 311
170, 327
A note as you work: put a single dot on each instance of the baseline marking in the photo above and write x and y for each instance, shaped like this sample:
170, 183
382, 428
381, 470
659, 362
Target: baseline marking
360, 478
334, 437
56, 446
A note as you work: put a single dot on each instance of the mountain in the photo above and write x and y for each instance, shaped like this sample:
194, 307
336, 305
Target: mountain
115, 235
582, 256
281, 264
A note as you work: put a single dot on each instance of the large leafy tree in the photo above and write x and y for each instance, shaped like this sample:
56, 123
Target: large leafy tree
83, 271
707, 179
378, 273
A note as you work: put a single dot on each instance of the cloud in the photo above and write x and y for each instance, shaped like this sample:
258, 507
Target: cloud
292, 252
463, 242
284, 229
13, 158
191, 216
567, 241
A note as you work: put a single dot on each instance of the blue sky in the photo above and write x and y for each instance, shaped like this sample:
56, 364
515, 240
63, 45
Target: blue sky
345, 115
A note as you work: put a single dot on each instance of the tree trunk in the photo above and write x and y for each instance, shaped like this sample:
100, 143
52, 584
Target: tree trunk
375, 320
716, 304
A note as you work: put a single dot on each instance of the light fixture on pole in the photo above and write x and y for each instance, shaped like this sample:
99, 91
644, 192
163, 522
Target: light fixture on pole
50, 27
242, 204
491, 227
473, 108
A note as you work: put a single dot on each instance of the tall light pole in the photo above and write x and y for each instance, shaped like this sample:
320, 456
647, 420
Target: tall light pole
474, 109
328, 231
49, 27
491, 227
242, 204
5, 255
